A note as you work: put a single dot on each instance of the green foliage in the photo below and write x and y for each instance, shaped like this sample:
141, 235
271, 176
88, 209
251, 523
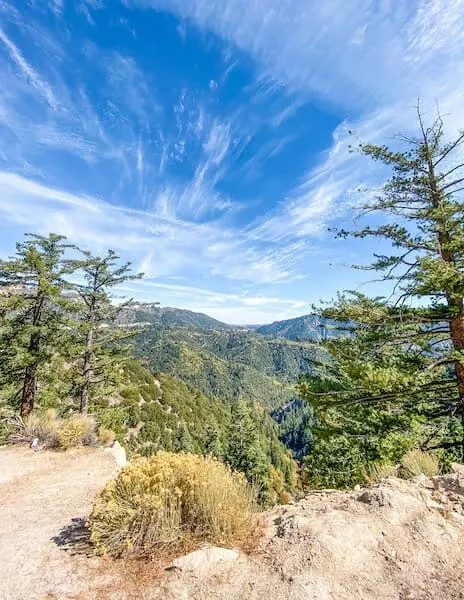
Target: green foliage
308, 327
100, 360
164, 413
170, 501
143, 314
65, 346
57, 345
395, 380
295, 420
33, 316
228, 364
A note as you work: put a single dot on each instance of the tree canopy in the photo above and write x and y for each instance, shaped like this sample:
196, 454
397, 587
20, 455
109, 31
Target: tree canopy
396, 378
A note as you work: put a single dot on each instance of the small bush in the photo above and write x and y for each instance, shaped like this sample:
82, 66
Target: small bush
416, 462
106, 436
377, 471
43, 426
169, 501
77, 430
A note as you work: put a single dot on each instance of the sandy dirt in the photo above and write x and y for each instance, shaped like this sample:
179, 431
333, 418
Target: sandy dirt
397, 541
45, 495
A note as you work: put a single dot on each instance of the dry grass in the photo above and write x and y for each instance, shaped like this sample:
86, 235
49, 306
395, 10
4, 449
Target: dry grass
416, 462
106, 436
43, 426
378, 471
172, 501
52, 432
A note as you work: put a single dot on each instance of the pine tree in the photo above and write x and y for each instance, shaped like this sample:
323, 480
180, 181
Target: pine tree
396, 378
184, 441
212, 440
244, 449
102, 342
33, 312
423, 199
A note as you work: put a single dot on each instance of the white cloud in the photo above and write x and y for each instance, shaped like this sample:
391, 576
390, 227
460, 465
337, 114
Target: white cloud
360, 53
231, 308
158, 243
28, 71
373, 59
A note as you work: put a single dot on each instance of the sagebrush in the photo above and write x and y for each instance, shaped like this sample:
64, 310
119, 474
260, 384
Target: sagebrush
417, 462
51, 431
378, 471
170, 501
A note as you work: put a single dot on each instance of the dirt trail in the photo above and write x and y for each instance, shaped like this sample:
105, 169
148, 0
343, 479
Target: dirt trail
397, 541
41, 493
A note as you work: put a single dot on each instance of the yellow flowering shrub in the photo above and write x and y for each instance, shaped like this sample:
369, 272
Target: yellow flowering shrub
172, 500
106, 436
76, 430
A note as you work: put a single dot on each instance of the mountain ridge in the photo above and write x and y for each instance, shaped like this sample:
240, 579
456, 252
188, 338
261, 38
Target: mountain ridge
303, 328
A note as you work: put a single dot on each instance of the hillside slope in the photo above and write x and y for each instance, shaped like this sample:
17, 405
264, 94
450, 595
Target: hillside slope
307, 327
228, 364
397, 541
142, 314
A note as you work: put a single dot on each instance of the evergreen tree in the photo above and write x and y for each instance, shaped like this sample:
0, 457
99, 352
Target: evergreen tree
103, 345
396, 378
212, 441
184, 441
33, 313
244, 449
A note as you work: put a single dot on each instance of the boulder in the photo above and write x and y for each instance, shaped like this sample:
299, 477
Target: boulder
118, 453
205, 560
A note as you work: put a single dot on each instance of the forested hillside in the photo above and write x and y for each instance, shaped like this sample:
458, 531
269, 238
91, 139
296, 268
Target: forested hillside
162, 413
308, 327
228, 364
143, 314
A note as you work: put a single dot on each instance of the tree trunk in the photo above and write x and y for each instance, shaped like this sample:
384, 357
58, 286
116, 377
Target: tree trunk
29, 391
457, 339
30, 376
87, 372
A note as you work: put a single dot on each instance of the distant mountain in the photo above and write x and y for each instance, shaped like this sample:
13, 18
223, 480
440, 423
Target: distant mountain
308, 327
142, 314
228, 363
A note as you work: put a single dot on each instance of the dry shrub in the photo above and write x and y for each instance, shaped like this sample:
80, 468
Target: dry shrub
170, 501
106, 436
43, 426
76, 430
377, 471
417, 462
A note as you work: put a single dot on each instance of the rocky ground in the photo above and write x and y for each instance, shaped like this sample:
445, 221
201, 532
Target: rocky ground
396, 541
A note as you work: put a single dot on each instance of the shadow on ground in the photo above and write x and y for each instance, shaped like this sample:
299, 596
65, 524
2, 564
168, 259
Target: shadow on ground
74, 537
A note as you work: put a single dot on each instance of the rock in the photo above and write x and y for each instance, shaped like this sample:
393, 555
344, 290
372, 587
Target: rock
423, 481
375, 497
206, 559
454, 482
357, 488
118, 453
457, 468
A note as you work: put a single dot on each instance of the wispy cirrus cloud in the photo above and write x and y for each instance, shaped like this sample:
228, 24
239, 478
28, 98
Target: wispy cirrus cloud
28, 71
161, 244
200, 164
318, 47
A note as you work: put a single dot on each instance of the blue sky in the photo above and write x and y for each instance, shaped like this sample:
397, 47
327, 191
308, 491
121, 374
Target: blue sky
207, 140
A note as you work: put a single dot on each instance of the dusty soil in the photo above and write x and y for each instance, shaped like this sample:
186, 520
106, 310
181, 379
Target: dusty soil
45, 495
397, 541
